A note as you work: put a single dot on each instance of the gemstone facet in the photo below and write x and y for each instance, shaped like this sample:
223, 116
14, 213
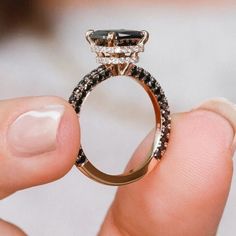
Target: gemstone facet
122, 37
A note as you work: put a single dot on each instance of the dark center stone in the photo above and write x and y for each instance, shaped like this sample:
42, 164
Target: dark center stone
122, 37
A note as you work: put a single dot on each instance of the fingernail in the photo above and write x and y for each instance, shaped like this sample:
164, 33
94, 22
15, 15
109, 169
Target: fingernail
35, 132
225, 108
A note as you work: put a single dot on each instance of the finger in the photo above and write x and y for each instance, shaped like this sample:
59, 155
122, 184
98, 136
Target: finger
39, 140
9, 229
185, 193
225, 108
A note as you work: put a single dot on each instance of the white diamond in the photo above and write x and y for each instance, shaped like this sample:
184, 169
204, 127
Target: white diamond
109, 50
106, 60
128, 49
136, 48
116, 60
118, 50
122, 60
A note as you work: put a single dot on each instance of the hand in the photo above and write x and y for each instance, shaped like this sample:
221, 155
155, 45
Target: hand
184, 194
39, 140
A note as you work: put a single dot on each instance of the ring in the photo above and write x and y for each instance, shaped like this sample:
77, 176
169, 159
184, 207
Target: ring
117, 51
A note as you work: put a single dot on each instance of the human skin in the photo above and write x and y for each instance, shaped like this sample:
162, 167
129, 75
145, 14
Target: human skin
180, 3
184, 194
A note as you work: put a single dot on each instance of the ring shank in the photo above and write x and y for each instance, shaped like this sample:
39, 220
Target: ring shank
162, 115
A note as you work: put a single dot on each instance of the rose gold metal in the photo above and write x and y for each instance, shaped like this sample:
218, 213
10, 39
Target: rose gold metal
134, 174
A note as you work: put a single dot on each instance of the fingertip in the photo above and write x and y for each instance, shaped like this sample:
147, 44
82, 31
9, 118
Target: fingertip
55, 164
9, 229
209, 126
68, 140
199, 152
40, 138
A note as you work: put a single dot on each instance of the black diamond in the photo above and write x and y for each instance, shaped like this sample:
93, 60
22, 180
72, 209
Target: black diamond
81, 159
79, 102
164, 139
164, 106
166, 132
72, 98
123, 37
134, 71
162, 148
157, 154
153, 83
166, 114
141, 75
96, 79
87, 87
146, 79
156, 90
120, 34
77, 109
166, 122
107, 73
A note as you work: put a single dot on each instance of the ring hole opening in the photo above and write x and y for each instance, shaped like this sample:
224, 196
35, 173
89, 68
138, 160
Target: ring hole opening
115, 118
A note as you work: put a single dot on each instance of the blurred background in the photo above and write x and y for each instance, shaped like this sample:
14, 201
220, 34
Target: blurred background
191, 52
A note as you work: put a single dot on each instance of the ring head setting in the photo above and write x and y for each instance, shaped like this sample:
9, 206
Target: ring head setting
117, 46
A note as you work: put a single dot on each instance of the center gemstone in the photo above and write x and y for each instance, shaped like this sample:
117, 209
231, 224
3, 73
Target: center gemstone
122, 37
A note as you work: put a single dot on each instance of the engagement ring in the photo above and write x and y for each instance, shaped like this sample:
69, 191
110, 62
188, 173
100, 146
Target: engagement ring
117, 51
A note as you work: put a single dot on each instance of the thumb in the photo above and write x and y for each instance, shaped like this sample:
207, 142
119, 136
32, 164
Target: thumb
185, 193
39, 140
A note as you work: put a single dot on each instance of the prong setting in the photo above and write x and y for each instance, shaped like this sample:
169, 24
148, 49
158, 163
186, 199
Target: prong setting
117, 46
87, 36
145, 38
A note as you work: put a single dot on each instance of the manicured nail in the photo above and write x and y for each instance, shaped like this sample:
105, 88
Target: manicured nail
35, 132
225, 108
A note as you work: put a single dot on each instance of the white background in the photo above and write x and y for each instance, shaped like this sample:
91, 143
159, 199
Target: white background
192, 52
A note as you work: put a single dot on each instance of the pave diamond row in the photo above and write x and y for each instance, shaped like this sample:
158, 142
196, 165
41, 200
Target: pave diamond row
88, 82
116, 60
117, 49
80, 92
145, 77
102, 73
